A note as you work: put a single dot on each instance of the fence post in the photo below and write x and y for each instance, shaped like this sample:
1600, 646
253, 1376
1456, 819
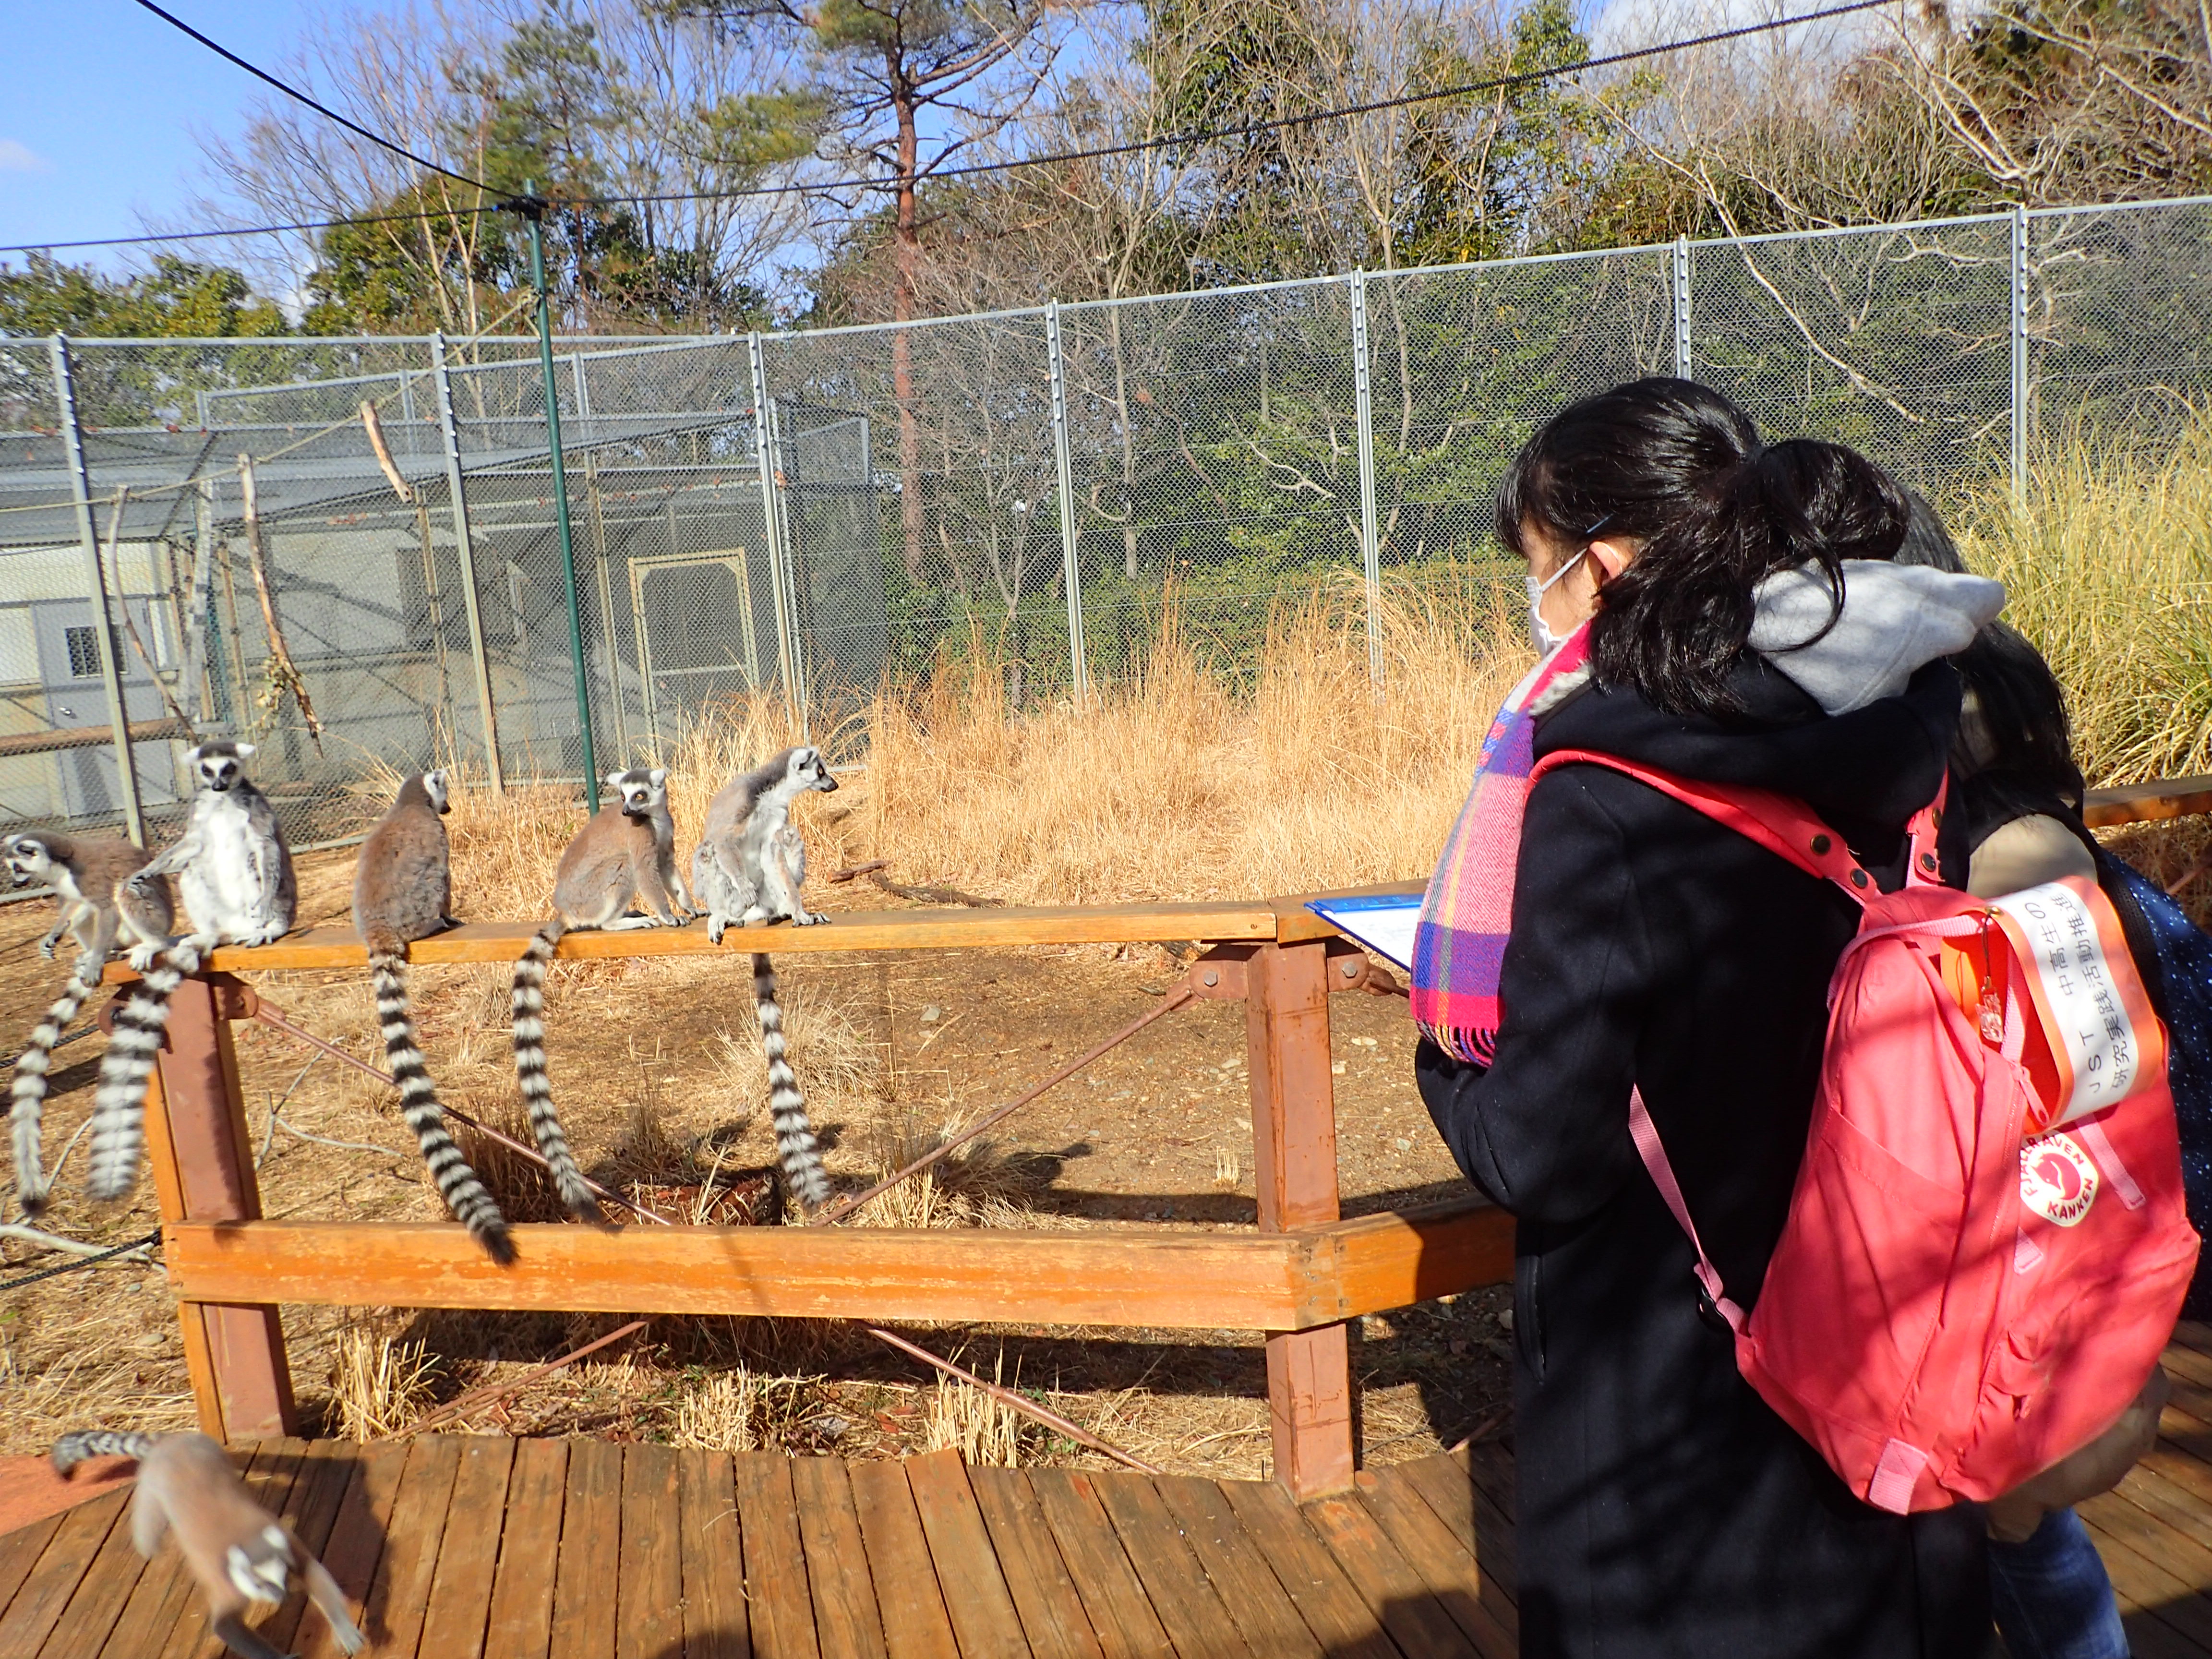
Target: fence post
1310, 1401
787, 656
1370, 532
1064, 486
535, 219
1681, 287
465, 551
202, 1156
111, 674
2018, 334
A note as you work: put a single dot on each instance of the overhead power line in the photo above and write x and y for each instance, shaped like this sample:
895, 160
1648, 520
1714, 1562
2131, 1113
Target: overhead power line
293, 92
1138, 146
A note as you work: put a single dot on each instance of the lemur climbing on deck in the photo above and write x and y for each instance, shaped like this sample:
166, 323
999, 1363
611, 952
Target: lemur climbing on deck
403, 890
240, 1553
625, 854
234, 873
88, 876
749, 867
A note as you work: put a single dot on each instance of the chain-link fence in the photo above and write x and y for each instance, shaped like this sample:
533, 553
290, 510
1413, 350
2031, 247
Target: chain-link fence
820, 513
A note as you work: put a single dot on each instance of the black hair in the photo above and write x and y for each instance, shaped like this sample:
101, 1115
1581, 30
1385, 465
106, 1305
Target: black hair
1678, 468
2017, 724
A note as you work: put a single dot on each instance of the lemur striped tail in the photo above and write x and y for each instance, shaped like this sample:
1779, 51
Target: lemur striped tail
72, 1449
794, 1135
457, 1184
530, 1074
118, 1104
30, 1086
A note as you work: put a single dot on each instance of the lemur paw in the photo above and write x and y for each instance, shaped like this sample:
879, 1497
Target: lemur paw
716, 925
808, 917
47, 949
267, 935
143, 956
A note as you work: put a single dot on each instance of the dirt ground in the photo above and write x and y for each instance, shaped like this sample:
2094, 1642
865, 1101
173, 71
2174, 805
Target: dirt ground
657, 1074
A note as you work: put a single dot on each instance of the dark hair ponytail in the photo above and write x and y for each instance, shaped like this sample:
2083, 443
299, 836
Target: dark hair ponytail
1678, 468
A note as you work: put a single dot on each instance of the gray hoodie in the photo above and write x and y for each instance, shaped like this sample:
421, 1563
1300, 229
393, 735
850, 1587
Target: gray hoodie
1895, 619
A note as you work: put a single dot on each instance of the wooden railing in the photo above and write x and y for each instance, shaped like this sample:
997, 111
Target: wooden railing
1300, 1278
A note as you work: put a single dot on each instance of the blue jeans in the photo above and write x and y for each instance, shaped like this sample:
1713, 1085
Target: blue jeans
2051, 1596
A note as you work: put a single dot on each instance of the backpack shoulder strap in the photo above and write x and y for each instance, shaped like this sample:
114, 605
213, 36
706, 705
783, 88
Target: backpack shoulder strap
1787, 829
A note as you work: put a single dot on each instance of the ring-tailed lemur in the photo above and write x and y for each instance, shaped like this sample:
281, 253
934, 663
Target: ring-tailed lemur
749, 866
626, 854
239, 1552
403, 890
88, 876
234, 873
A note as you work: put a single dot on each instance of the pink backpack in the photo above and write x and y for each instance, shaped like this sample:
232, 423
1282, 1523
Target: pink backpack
1986, 1250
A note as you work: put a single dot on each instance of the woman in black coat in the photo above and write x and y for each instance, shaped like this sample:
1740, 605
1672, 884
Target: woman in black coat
1664, 1509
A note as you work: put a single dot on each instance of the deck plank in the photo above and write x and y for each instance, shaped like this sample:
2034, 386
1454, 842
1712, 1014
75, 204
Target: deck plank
60, 1568
715, 1622
460, 1590
325, 1469
585, 1590
398, 1598
1326, 1599
99, 1597
1239, 1572
847, 1623
1188, 1608
357, 1542
520, 1623
776, 1597
915, 1623
1044, 1596
1483, 1527
2150, 1587
649, 1614
1417, 1621
1113, 1595
976, 1598
19, 1551
1454, 1576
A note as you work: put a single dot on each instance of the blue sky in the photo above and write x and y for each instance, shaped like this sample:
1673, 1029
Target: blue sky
102, 100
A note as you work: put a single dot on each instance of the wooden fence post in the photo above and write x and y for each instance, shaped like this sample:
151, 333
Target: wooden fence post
1310, 1402
203, 1158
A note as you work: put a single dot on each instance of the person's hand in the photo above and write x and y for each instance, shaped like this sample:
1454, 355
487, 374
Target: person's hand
2096, 1467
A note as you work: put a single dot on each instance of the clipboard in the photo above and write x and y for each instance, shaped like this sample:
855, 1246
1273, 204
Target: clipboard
1384, 922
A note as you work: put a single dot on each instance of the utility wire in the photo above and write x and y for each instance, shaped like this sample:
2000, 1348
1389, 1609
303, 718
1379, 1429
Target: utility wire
290, 91
1138, 146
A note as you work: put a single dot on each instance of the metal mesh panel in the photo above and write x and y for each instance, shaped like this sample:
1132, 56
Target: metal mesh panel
1892, 340
820, 514
1214, 464
2117, 304
1466, 363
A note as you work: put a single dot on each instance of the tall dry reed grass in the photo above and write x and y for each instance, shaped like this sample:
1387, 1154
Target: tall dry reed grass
2107, 563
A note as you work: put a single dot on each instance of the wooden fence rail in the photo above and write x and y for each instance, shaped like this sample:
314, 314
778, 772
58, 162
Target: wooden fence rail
1300, 1278
1304, 1273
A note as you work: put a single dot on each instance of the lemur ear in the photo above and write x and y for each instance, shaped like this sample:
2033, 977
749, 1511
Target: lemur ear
658, 775
245, 750
191, 758
613, 781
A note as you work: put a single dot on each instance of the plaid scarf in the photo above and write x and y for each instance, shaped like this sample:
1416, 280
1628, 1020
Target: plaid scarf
1459, 947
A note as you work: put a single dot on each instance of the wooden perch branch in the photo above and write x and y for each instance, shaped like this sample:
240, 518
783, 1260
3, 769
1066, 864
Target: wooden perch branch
284, 674
375, 429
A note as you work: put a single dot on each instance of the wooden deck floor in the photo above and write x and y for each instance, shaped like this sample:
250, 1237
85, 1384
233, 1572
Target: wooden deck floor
486, 1548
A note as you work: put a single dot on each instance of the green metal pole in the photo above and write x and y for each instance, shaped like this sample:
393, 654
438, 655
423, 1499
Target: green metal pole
534, 212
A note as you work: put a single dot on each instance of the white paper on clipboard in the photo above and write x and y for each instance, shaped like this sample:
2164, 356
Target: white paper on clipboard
1384, 922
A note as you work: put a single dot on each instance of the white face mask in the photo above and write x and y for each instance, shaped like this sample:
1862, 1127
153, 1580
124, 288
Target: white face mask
1540, 631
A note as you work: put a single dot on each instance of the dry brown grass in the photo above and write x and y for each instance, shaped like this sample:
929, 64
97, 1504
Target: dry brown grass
379, 1384
981, 1428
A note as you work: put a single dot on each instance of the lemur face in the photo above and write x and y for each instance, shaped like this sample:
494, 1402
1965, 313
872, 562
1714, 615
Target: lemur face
437, 788
639, 792
28, 859
220, 767
808, 771
268, 1578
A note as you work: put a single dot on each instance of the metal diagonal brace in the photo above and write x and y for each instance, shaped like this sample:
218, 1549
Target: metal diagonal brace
1180, 996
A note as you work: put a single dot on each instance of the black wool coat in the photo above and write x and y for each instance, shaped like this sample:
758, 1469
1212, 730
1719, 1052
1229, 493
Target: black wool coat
1664, 1509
